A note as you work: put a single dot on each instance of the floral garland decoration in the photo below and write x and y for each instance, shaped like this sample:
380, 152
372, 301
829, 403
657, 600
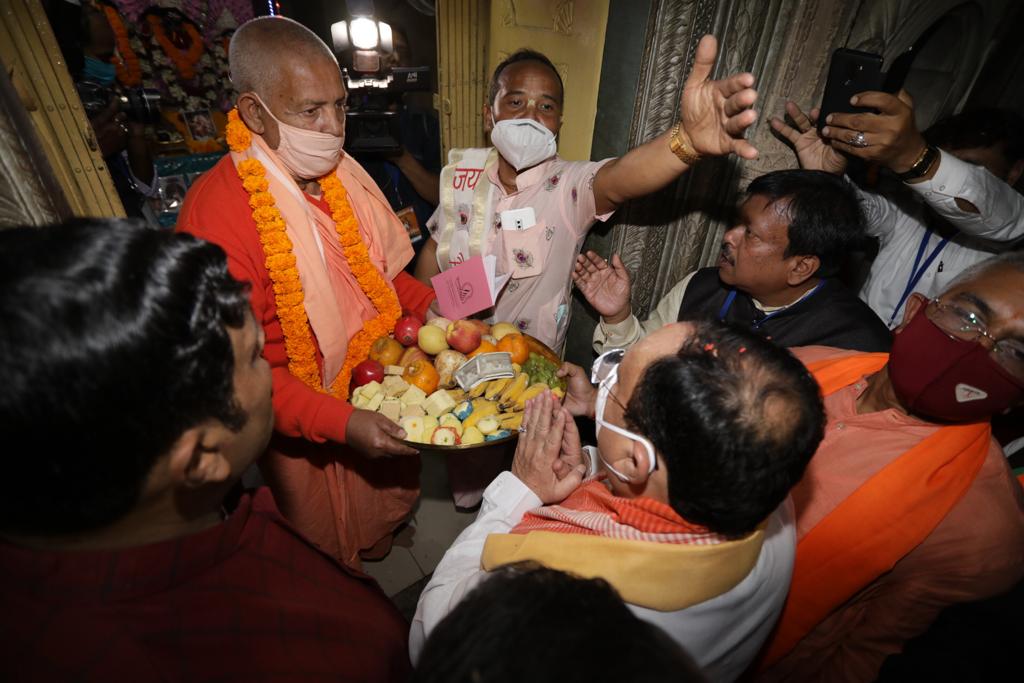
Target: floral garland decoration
184, 60
129, 72
284, 276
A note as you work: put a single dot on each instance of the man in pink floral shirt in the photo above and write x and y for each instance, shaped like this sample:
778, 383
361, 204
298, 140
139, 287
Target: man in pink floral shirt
531, 209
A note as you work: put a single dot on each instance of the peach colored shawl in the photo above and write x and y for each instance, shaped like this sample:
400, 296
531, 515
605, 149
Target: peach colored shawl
334, 302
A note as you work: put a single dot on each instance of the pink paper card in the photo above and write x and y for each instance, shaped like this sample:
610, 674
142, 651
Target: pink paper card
464, 290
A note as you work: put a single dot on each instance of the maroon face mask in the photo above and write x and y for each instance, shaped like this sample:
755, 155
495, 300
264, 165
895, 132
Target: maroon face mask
947, 379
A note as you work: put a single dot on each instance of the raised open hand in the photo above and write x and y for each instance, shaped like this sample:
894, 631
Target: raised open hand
715, 114
812, 151
604, 285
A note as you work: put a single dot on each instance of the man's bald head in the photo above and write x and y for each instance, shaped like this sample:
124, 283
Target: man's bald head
259, 46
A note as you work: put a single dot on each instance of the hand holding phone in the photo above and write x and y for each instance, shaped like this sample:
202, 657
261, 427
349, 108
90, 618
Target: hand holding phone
850, 72
880, 127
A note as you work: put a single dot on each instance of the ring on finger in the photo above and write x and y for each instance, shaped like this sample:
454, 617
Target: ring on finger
522, 429
859, 140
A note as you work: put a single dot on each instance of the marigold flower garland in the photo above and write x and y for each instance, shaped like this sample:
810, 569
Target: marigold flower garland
184, 60
129, 72
284, 275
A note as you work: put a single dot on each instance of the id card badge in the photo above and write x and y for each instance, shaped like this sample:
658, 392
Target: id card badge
411, 223
518, 219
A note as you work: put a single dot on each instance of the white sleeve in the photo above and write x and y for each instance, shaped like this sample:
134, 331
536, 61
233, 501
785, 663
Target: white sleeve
624, 334
1000, 214
505, 501
879, 213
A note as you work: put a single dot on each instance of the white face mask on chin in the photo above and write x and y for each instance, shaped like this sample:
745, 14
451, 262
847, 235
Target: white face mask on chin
523, 142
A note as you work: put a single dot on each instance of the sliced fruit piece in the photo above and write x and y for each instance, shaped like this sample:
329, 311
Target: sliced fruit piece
472, 435
488, 425
444, 436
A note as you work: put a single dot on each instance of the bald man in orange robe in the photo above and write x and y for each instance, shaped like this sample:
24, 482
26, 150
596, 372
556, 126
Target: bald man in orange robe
341, 475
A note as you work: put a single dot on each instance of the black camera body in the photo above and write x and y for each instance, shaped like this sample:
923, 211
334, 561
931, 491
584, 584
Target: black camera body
141, 105
374, 102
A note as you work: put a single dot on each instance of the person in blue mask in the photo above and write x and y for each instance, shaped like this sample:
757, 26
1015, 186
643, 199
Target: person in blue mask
87, 42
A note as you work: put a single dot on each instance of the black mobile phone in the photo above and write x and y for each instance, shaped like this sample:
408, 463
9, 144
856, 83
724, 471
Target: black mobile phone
850, 72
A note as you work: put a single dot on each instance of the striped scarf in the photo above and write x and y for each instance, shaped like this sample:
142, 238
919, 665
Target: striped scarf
593, 510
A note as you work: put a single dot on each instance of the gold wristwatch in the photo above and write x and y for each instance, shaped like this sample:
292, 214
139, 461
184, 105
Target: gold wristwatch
679, 143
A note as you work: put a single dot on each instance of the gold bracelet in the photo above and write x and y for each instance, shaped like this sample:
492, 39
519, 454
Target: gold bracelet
680, 144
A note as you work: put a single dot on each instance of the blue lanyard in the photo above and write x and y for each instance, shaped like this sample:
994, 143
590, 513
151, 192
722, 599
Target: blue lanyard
919, 269
727, 304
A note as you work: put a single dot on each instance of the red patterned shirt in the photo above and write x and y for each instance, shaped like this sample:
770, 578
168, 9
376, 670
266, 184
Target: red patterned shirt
249, 599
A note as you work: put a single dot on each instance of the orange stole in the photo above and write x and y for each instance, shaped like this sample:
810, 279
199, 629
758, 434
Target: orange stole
858, 541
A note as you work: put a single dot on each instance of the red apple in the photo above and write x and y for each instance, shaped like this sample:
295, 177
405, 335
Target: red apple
480, 325
366, 372
412, 354
463, 336
407, 330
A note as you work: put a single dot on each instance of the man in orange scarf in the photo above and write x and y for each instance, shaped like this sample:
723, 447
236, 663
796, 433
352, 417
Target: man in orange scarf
908, 506
702, 430
325, 265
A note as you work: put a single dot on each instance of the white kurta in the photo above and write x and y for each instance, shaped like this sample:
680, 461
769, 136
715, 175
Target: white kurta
898, 221
722, 634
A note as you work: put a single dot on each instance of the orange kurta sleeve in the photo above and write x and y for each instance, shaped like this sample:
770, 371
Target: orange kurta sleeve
413, 295
217, 209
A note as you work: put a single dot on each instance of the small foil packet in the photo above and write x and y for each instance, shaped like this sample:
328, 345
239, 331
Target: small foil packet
484, 368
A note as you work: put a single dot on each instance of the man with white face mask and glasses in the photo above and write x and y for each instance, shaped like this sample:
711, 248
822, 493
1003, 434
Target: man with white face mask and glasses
309, 229
908, 506
521, 203
703, 430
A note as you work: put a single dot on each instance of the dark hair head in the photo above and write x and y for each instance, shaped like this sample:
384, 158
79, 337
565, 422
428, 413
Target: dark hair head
825, 216
523, 55
981, 128
113, 344
735, 418
530, 623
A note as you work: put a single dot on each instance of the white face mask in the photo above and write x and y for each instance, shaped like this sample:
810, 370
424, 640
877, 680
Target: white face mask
603, 391
523, 142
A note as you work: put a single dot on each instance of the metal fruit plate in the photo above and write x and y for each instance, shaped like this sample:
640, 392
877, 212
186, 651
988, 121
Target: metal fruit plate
536, 346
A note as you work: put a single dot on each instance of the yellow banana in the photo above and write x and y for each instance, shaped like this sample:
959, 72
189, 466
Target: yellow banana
458, 395
521, 381
479, 389
511, 420
486, 409
519, 402
495, 387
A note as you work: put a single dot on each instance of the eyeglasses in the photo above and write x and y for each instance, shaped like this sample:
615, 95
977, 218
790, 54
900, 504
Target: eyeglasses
605, 374
963, 323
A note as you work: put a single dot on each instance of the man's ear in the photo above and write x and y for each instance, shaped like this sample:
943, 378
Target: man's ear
251, 112
1015, 172
488, 115
803, 267
196, 457
639, 465
915, 304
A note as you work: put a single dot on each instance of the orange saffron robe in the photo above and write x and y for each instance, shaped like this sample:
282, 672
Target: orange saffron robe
339, 498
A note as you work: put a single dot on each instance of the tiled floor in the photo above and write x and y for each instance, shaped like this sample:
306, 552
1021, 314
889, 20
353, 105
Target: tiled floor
421, 544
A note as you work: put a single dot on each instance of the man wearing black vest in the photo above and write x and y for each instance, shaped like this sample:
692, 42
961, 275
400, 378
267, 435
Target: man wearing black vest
775, 275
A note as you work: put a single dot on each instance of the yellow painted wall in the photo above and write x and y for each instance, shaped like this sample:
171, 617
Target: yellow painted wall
571, 34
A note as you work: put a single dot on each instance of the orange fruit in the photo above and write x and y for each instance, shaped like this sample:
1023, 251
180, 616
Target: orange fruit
485, 347
515, 344
421, 373
386, 351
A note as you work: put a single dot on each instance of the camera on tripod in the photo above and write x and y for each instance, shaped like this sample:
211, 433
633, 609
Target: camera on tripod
141, 105
375, 89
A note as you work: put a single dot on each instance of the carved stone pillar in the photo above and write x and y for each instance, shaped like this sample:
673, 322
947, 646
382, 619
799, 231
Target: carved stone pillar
786, 45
